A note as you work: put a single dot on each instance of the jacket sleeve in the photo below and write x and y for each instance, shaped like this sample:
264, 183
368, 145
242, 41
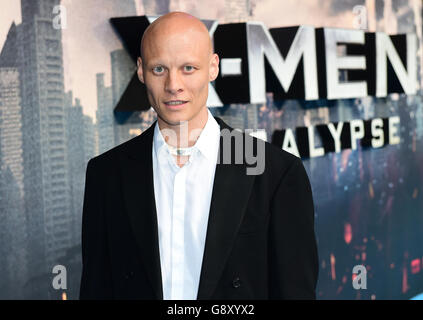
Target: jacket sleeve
96, 280
293, 258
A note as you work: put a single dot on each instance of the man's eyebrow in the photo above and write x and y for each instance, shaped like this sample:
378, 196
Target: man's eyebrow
161, 63
155, 63
190, 63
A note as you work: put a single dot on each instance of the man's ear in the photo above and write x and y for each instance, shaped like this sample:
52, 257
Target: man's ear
140, 71
214, 67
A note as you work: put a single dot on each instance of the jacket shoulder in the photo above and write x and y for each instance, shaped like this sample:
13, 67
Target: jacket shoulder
131, 147
280, 155
279, 160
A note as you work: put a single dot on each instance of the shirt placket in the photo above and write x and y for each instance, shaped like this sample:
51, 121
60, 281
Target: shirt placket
178, 217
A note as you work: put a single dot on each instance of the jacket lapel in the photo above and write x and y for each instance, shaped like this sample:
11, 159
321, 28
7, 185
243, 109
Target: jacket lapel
231, 190
138, 191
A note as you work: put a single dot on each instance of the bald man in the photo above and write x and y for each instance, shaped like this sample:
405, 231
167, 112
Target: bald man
164, 218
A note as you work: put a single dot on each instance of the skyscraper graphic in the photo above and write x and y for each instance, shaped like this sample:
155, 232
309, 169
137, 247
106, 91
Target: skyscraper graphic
104, 115
11, 124
76, 163
90, 142
34, 49
13, 267
81, 148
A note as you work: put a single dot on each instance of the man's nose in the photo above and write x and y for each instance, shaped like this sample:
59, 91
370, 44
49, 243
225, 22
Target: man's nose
173, 82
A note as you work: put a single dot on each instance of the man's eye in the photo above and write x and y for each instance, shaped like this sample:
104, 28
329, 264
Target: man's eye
188, 68
158, 69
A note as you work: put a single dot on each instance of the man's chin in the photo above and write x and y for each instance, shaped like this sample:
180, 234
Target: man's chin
174, 120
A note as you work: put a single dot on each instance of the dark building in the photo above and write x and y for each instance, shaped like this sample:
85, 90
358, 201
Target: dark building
34, 48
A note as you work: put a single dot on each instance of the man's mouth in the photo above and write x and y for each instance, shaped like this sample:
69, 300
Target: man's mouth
175, 102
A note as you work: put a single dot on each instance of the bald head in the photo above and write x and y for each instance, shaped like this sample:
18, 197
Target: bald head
176, 23
176, 65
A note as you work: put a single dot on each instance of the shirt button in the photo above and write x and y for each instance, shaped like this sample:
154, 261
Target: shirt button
236, 283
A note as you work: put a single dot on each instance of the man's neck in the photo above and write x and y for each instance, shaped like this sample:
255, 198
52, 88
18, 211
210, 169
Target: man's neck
186, 133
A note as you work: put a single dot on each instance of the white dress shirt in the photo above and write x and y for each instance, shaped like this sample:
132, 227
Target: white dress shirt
183, 196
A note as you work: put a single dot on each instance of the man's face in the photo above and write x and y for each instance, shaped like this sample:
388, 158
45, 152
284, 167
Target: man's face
177, 68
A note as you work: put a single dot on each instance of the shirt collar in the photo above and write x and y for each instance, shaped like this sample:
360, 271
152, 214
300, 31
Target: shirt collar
207, 143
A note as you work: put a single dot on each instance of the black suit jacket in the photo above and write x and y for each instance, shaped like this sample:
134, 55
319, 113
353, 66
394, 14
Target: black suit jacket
260, 241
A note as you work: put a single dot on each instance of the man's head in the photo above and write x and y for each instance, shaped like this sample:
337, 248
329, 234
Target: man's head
176, 65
